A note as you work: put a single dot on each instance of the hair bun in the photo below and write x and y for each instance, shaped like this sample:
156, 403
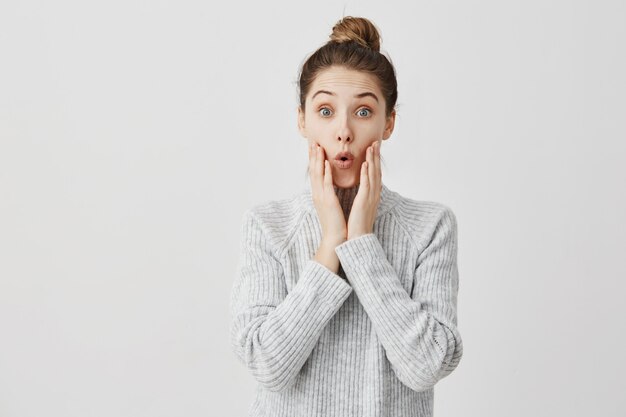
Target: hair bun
357, 29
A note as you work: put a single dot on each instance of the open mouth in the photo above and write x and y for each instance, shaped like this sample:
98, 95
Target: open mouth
344, 156
344, 162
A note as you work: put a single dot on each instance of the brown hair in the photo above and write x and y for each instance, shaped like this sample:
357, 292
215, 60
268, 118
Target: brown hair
354, 44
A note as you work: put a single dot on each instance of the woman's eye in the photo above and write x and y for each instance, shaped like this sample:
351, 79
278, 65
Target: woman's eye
325, 111
364, 110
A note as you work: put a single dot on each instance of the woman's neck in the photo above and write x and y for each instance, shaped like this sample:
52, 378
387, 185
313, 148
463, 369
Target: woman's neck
346, 198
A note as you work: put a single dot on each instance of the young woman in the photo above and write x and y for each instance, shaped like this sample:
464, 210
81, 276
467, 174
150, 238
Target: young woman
345, 300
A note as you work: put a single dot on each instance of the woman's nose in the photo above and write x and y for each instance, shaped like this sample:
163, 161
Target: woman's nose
344, 132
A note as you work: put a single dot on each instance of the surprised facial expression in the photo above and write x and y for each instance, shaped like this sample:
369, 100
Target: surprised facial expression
345, 112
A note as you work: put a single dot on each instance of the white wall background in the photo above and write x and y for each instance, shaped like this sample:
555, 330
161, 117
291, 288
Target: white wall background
134, 134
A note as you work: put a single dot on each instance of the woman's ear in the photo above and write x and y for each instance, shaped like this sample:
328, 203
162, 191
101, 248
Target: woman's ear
301, 122
391, 121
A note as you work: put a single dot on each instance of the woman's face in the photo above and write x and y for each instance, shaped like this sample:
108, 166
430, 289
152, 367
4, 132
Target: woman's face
345, 112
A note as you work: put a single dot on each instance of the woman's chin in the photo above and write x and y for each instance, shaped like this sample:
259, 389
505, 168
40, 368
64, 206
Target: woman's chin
345, 181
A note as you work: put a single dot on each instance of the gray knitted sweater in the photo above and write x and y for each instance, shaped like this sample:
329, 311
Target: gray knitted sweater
371, 340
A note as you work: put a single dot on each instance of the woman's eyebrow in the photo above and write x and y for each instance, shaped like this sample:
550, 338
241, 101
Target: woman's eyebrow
365, 94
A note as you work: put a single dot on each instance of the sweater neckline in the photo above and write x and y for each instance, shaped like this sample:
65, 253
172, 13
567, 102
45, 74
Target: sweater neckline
388, 197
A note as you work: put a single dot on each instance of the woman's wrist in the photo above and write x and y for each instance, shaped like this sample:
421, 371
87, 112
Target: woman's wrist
326, 255
332, 242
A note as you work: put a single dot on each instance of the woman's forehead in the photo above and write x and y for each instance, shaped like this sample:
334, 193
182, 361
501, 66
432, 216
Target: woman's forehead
344, 81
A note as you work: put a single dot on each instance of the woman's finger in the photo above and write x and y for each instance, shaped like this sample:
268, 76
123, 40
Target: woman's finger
316, 171
364, 181
319, 164
325, 169
319, 169
311, 158
379, 181
328, 176
377, 160
312, 165
371, 169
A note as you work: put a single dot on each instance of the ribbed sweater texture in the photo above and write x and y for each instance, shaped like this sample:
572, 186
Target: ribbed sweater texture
371, 340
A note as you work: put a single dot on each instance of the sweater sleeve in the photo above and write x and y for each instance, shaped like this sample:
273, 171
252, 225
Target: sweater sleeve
419, 330
273, 331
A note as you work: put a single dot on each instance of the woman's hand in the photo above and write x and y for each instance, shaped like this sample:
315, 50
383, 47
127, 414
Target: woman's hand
365, 205
329, 211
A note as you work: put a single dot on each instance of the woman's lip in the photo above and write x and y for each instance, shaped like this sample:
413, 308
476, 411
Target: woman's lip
346, 155
344, 164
